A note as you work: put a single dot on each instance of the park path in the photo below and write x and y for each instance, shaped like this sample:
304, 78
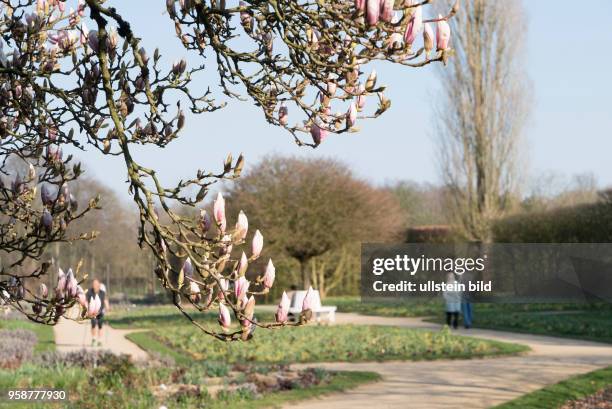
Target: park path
475, 383
75, 336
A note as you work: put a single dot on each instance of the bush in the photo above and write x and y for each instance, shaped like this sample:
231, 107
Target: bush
17, 347
83, 359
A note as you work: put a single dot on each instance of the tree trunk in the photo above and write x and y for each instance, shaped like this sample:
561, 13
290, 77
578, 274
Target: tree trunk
305, 273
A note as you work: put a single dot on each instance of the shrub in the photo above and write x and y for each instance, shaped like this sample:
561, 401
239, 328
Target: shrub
16, 347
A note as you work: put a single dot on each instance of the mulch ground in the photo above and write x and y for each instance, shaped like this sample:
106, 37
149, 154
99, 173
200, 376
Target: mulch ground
600, 400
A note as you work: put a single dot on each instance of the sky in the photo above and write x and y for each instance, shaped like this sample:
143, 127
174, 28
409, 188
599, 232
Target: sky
570, 130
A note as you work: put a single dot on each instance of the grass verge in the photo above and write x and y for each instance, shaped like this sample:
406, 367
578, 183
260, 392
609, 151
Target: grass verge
556, 395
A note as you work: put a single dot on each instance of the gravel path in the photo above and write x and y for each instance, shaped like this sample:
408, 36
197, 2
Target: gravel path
477, 383
73, 336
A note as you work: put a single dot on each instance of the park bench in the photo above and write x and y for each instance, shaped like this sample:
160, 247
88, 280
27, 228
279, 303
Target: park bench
319, 312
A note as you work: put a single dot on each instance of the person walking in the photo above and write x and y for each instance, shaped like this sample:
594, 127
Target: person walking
452, 299
97, 322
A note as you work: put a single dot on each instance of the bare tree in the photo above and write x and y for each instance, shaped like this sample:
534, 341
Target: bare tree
482, 112
314, 206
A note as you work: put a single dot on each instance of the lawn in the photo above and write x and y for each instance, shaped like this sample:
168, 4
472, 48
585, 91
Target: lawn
582, 321
172, 335
556, 395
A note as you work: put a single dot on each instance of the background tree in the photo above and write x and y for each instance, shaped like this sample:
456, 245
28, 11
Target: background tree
79, 76
314, 206
482, 112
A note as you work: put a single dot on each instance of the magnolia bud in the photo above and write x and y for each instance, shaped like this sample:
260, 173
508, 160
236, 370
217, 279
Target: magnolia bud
428, 40
442, 34
415, 25
61, 283
371, 81
224, 317
308, 300
43, 291
241, 286
318, 134
243, 264
351, 115
372, 12
256, 245
219, 212
71, 284
282, 311
386, 10
223, 287
242, 226
47, 221
283, 115
205, 221
188, 268
269, 275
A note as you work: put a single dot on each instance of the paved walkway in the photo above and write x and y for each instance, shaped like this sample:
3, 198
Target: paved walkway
74, 336
476, 383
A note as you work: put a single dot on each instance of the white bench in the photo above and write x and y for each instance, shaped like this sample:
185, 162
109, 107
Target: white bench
318, 311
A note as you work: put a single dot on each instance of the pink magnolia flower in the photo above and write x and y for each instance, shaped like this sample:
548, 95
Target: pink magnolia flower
43, 291
283, 114
269, 275
243, 264
318, 134
219, 212
361, 97
360, 4
249, 309
188, 268
308, 299
93, 308
205, 221
71, 284
241, 286
61, 283
371, 81
81, 8
282, 311
372, 12
256, 245
442, 34
394, 42
386, 10
223, 287
428, 38
224, 317
351, 115
242, 226
415, 25
81, 297
92, 40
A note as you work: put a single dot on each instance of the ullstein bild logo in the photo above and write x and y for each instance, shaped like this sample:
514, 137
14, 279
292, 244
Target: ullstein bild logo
489, 273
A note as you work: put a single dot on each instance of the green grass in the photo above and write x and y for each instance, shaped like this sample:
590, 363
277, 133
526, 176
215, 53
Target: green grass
149, 343
333, 343
44, 333
583, 321
556, 395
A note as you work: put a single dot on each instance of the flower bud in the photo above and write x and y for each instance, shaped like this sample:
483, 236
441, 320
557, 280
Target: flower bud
92, 40
47, 221
386, 10
71, 284
242, 226
224, 317
219, 212
243, 264
371, 81
269, 275
442, 34
61, 283
372, 12
205, 221
43, 291
241, 286
308, 300
223, 287
318, 134
256, 245
282, 311
428, 38
415, 25
283, 115
188, 268
93, 308
351, 115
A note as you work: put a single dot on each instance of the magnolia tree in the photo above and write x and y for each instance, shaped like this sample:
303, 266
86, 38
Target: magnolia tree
76, 75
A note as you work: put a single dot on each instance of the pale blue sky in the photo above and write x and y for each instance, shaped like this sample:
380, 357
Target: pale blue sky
570, 132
